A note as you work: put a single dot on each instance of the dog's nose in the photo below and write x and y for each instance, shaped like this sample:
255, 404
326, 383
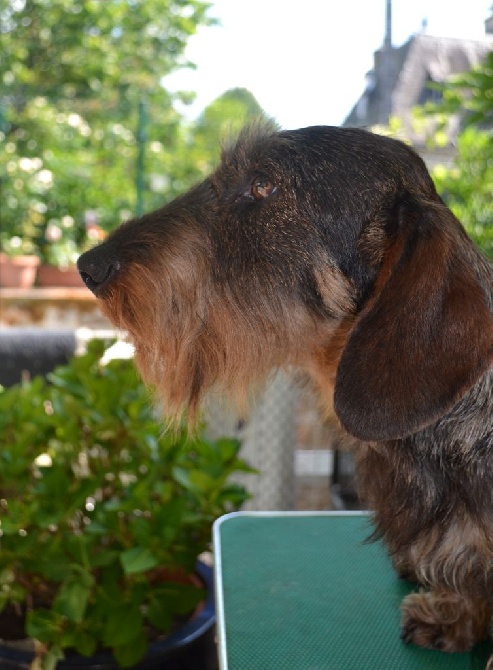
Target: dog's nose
98, 267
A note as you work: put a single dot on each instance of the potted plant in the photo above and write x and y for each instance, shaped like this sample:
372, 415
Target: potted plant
19, 250
102, 517
18, 262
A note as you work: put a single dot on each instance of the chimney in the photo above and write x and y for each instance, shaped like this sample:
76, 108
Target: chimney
384, 68
387, 44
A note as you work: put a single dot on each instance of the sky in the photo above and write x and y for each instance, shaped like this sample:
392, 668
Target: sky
305, 61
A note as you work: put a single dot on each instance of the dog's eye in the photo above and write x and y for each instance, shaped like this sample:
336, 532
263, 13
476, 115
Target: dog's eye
262, 188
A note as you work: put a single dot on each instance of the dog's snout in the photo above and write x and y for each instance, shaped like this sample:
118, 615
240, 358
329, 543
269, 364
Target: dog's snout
98, 267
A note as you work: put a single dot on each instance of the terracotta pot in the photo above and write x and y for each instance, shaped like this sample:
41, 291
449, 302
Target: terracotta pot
18, 271
50, 275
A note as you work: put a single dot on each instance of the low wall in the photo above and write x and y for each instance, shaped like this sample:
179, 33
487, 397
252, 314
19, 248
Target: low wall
50, 308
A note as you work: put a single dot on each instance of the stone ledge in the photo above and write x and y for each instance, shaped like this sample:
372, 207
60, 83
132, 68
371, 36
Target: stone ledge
48, 293
53, 307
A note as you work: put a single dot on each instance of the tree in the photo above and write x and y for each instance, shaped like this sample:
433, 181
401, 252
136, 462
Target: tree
470, 92
198, 147
468, 185
72, 75
199, 143
65, 49
223, 119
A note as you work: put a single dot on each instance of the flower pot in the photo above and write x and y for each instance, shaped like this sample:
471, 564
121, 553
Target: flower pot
192, 647
50, 275
18, 271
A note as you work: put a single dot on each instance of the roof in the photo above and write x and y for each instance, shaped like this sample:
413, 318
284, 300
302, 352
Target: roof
400, 78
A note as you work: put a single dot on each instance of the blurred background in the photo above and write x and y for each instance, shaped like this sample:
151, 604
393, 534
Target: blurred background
109, 108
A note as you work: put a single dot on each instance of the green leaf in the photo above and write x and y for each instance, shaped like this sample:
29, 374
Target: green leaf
229, 447
172, 599
85, 643
73, 596
124, 625
51, 658
137, 559
159, 613
129, 653
104, 558
193, 480
44, 625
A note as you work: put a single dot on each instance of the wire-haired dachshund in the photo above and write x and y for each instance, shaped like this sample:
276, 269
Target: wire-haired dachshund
328, 250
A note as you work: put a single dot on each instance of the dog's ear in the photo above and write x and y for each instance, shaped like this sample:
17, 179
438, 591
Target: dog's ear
425, 334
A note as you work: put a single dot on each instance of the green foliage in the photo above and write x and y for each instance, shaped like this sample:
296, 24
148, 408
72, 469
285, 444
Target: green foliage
101, 512
69, 50
198, 146
470, 92
467, 186
71, 78
222, 120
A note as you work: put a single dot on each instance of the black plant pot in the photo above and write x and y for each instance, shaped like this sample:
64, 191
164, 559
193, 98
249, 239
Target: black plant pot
192, 647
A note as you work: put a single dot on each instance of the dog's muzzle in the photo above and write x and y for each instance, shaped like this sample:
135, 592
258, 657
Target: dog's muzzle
98, 267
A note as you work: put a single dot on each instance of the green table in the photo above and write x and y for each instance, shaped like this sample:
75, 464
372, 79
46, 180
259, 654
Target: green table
303, 591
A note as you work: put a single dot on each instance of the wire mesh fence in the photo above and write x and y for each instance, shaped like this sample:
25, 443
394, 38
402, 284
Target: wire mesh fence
285, 439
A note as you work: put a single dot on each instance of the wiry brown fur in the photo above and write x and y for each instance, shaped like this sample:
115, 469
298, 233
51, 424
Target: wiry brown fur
191, 335
329, 250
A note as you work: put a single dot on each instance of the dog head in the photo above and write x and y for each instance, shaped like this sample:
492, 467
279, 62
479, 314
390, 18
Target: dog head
322, 248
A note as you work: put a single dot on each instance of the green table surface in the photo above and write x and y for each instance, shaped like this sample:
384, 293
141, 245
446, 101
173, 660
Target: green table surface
304, 591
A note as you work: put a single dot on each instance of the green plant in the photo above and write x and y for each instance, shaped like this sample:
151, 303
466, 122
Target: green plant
21, 240
466, 186
72, 76
102, 513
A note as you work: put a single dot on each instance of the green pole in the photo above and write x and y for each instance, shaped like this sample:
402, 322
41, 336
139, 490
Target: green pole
141, 142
